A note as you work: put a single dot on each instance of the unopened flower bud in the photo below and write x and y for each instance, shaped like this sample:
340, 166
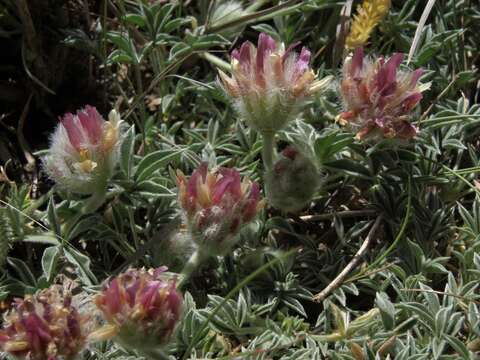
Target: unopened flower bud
45, 326
216, 205
84, 150
292, 182
269, 83
141, 309
378, 98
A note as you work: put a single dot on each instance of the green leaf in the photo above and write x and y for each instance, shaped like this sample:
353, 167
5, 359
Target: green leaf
155, 161
179, 50
459, 347
387, 310
350, 167
53, 218
83, 265
23, 271
119, 57
328, 145
50, 258
45, 238
135, 19
158, 190
126, 152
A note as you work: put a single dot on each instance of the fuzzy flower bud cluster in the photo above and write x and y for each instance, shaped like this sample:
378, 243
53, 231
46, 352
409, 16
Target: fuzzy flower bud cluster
45, 326
216, 205
141, 308
292, 182
269, 82
378, 98
84, 150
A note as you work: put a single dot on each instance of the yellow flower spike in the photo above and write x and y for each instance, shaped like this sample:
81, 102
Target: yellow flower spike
369, 14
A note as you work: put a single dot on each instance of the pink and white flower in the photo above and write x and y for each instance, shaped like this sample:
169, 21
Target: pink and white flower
216, 205
269, 82
45, 326
84, 150
141, 308
379, 98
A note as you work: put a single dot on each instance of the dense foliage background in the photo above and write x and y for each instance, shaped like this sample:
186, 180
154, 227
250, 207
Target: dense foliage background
414, 293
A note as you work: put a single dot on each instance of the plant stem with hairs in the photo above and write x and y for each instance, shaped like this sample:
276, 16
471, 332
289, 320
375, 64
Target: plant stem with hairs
268, 150
192, 264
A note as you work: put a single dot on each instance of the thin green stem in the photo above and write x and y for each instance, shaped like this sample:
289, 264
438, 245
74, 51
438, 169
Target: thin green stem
400, 232
251, 17
143, 113
268, 150
216, 61
95, 201
192, 264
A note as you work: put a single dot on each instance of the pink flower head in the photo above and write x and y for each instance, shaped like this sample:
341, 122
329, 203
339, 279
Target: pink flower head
217, 204
141, 308
84, 128
269, 82
378, 97
83, 150
45, 326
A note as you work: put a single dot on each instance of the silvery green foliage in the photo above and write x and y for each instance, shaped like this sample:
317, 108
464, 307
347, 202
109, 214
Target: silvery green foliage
415, 298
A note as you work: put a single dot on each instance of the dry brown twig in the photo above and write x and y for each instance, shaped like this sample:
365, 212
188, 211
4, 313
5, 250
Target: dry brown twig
338, 281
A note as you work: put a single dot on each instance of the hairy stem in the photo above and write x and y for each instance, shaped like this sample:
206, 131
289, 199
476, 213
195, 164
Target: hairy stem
192, 264
268, 151
95, 201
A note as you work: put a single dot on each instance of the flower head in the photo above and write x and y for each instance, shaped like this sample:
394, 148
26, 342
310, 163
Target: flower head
45, 326
378, 98
292, 182
216, 205
140, 307
369, 14
84, 150
269, 82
